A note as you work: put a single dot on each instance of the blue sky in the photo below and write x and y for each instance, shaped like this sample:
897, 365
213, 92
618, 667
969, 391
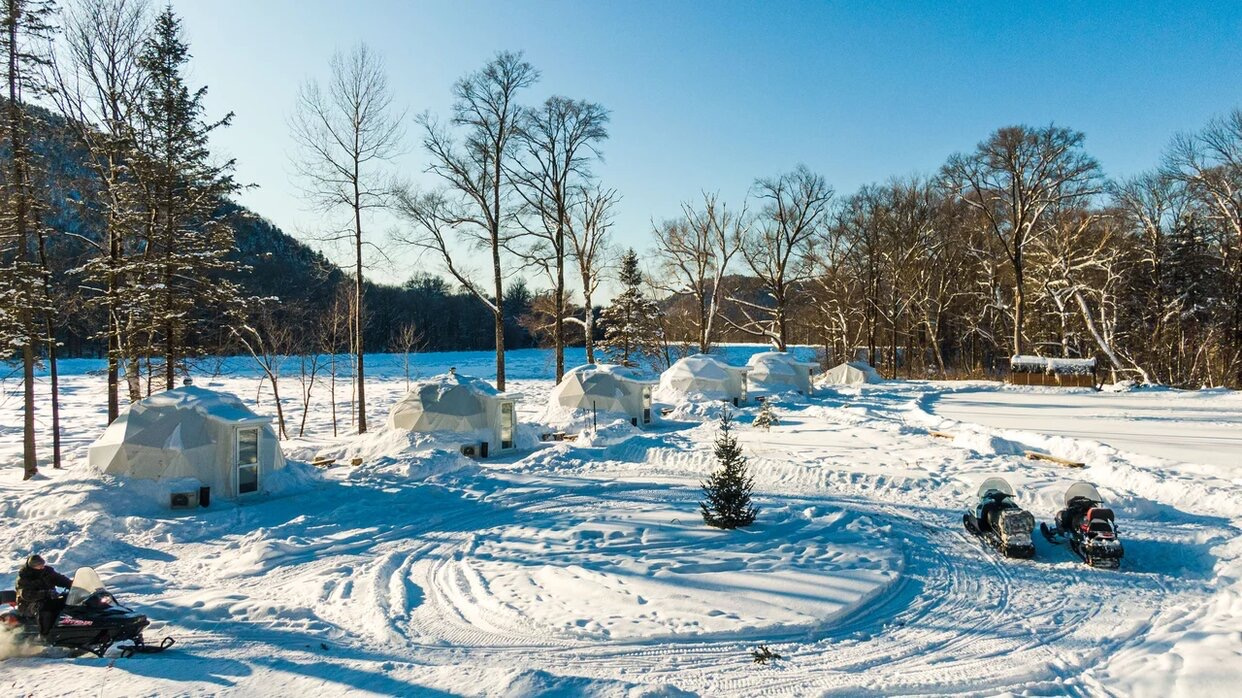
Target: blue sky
712, 95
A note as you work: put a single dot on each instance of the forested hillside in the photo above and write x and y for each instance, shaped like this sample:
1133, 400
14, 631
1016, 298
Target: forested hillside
271, 264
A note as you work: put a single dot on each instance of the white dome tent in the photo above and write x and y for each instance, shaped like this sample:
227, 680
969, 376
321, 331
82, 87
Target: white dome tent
461, 405
704, 377
191, 433
605, 389
779, 372
851, 373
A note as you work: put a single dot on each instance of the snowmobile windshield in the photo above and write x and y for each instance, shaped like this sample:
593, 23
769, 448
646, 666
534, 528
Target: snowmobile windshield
995, 484
1084, 490
85, 583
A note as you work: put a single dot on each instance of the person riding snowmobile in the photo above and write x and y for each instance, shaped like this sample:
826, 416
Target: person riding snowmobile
36, 592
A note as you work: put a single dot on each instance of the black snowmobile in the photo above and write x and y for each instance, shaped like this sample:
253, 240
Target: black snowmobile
1090, 528
999, 520
92, 620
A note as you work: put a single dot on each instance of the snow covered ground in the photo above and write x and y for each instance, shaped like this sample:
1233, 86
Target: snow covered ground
584, 568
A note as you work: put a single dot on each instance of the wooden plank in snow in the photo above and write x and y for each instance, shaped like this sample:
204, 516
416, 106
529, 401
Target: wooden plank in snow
1036, 455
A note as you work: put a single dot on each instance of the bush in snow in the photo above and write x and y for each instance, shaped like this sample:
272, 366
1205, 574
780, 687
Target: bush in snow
766, 419
728, 489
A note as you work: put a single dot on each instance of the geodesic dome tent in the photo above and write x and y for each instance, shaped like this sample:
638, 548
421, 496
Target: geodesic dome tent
462, 405
605, 389
191, 433
705, 377
852, 373
780, 372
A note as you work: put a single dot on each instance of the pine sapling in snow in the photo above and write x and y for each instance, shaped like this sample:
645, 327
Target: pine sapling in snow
728, 489
766, 419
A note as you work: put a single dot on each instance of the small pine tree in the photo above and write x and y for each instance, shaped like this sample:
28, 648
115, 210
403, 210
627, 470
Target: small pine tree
728, 489
632, 321
766, 419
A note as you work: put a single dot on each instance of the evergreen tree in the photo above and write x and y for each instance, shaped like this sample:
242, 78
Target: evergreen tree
728, 489
632, 321
187, 238
766, 419
25, 27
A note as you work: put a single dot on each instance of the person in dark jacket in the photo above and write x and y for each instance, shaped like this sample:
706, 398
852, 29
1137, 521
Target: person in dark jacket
36, 592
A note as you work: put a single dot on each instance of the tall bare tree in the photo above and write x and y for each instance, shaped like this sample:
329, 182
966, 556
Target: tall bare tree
694, 251
474, 205
556, 143
587, 227
95, 81
1014, 178
778, 248
347, 133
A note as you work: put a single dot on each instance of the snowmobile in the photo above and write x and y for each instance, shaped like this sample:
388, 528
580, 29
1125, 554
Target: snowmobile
999, 521
92, 620
1090, 528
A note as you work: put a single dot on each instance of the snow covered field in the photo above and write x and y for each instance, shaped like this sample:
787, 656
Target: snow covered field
584, 568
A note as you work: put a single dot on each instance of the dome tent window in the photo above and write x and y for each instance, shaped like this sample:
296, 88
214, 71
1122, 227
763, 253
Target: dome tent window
247, 460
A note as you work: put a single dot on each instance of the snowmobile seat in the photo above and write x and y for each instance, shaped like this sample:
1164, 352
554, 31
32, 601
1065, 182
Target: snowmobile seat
9, 597
1095, 513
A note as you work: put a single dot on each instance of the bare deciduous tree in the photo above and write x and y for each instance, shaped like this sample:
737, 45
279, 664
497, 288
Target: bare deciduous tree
474, 206
406, 339
347, 133
557, 142
587, 228
96, 79
694, 251
778, 248
1014, 179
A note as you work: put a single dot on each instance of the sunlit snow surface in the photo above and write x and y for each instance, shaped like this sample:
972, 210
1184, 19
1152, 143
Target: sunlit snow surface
585, 569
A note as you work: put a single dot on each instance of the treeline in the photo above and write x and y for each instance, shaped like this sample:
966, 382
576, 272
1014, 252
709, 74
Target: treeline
1021, 245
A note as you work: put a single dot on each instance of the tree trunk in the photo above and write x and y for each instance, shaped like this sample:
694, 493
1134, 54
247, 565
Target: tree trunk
332, 385
29, 459
589, 325
1019, 305
114, 326
358, 292
170, 358
497, 282
559, 322
280, 411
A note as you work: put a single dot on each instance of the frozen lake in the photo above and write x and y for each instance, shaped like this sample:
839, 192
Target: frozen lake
1193, 427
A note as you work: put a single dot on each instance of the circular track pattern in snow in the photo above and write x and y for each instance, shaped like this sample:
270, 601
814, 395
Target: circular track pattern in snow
631, 568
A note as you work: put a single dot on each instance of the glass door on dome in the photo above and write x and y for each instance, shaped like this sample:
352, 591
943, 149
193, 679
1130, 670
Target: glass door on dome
247, 460
506, 425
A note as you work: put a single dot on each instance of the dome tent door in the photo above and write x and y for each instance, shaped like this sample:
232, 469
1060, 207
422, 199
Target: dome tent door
247, 461
506, 426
